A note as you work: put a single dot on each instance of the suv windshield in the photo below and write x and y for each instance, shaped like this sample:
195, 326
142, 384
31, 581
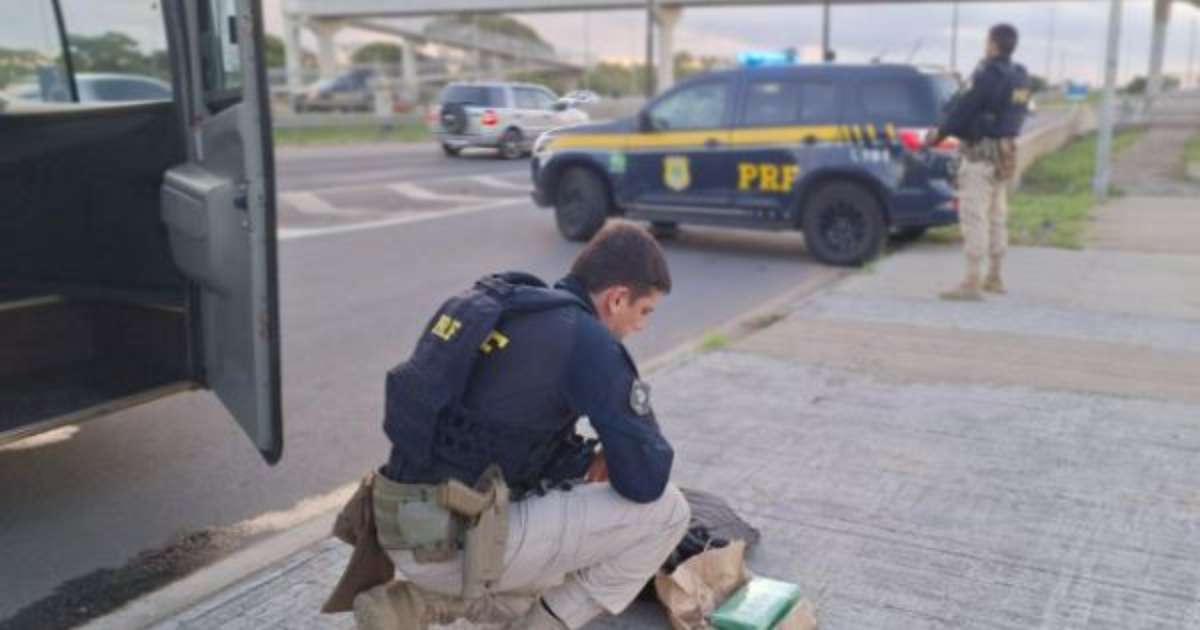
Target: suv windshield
482, 96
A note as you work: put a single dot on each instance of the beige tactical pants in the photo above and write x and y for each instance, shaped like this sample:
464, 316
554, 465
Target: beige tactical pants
585, 551
982, 210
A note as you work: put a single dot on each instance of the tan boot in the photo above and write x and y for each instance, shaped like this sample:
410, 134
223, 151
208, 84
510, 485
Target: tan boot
994, 283
402, 606
538, 618
969, 290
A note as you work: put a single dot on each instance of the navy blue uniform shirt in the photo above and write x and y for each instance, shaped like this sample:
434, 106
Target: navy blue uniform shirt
523, 399
599, 383
988, 94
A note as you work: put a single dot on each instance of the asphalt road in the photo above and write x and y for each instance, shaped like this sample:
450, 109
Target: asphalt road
373, 239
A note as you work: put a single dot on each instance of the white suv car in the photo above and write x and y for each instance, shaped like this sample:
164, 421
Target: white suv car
505, 116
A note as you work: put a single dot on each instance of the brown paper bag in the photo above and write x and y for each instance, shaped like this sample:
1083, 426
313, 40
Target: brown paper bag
803, 616
700, 584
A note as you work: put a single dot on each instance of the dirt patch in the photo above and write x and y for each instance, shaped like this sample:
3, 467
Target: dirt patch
103, 591
1155, 166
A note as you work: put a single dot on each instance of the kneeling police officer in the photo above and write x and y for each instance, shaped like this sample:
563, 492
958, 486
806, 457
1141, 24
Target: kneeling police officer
491, 505
987, 117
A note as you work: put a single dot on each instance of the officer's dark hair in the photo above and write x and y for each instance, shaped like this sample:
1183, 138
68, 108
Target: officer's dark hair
622, 254
1005, 38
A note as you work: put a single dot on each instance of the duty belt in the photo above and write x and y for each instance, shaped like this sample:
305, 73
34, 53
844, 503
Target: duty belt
435, 522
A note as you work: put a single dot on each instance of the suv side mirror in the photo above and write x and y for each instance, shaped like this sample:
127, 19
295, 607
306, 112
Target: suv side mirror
561, 105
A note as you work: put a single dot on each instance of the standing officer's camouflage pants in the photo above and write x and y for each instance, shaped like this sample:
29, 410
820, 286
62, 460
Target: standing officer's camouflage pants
983, 209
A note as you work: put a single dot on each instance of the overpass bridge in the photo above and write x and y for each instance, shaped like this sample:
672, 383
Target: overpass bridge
325, 18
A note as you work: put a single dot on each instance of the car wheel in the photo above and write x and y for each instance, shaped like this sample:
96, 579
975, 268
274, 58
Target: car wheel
664, 230
450, 151
908, 234
580, 204
510, 145
843, 224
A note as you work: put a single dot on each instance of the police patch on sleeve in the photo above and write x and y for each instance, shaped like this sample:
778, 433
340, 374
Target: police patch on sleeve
639, 398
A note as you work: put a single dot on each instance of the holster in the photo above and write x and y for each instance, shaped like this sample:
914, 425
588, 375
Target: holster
435, 521
486, 535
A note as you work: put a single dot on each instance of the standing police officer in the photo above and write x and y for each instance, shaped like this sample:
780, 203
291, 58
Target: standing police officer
585, 528
987, 117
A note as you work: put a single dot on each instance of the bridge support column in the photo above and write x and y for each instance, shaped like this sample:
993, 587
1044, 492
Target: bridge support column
1158, 46
292, 56
666, 18
325, 31
408, 71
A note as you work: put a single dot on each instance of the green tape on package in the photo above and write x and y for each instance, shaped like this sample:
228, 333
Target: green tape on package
759, 605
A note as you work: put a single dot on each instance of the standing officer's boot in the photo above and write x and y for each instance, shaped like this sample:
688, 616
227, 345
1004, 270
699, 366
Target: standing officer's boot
538, 618
994, 283
402, 606
970, 289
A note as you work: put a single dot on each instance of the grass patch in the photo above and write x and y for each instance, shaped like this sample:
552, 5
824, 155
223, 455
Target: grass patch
714, 341
1191, 152
1055, 199
315, 136
1054, 203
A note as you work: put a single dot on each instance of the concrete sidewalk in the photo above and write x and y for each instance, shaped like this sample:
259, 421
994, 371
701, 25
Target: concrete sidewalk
1027, 462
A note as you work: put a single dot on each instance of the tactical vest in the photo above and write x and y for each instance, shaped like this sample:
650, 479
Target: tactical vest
434, 437
1007, 110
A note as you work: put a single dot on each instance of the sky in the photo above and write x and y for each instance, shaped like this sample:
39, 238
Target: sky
899, 32
920, 33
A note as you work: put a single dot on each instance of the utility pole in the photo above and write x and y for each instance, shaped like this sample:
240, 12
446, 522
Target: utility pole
1050, 50
475, 43
954, 37
587, 50
1192, 55
650, 9
826, 55
1108, 111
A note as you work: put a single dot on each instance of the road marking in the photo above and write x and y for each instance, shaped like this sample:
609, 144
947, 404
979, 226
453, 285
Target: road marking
384, 181
495, 182
310, 204
419, 193
291, 234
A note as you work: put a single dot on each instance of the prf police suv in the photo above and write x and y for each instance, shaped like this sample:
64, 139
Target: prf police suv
833, 151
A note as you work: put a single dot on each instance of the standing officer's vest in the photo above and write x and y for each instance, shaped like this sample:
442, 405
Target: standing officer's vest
1006, 111
425, 418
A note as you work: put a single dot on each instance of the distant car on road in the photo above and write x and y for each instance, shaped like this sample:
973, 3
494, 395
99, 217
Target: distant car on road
346, 92
835, 151
505, 116
97, 87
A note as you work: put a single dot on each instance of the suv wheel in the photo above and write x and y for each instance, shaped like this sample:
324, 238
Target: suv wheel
510, 145
843, 224
449, 150
580, 204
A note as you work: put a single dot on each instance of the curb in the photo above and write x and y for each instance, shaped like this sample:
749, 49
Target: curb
158, 606
178, 596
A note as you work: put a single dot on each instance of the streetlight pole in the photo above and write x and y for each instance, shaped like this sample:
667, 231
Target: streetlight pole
1050, 50
650, 48
1108, 111
825, 32
1192, 55
587, 50
954, 37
